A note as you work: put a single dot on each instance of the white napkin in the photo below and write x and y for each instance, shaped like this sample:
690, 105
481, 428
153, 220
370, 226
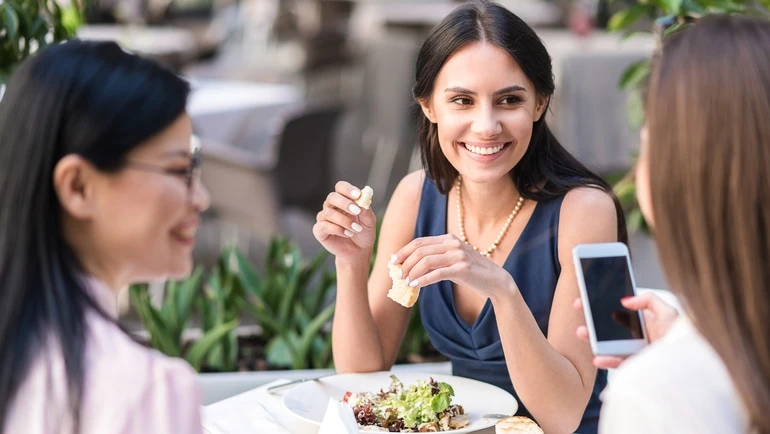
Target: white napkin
339, 419
241, 420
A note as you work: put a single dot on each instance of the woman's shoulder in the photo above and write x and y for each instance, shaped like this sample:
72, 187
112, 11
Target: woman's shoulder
580, 200
405, 200
116, 362
680, 373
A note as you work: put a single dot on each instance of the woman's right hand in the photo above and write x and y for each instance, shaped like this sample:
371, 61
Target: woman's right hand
658, 318
343, 228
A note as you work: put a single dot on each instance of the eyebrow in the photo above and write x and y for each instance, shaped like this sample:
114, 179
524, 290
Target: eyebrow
509, 89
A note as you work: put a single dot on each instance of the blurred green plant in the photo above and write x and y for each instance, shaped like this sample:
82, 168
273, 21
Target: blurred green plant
167, 324
29, 25
669, 17
291, 301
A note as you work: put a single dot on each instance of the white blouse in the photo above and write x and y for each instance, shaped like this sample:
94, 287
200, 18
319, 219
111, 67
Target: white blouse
676, 385
127, 388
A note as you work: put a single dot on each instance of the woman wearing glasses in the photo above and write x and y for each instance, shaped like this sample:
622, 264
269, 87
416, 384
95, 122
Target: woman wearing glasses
99, 188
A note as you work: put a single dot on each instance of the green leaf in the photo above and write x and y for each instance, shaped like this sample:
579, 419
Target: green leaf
292, 285
270, 327
160, 332
200, 349
188, 292
634, 220
308, 334
71, 19
635, 74
280, 350
693, 8
247, 275
440, 402
673, 7
168, 308
11, 23
625, 18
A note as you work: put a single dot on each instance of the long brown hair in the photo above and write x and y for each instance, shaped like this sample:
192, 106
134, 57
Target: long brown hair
708, 110
547, 169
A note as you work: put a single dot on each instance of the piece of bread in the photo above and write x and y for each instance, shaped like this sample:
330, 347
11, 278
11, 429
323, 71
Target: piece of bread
517, 425
401, 292
365, 200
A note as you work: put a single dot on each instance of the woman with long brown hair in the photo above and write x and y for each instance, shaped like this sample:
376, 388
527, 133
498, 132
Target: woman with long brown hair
704, 185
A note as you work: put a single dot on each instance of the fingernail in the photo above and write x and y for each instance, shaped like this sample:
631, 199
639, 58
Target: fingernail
414, 283
393, 259
625, 299
355, 193
354, 209
406, 281
357, 227
348, 233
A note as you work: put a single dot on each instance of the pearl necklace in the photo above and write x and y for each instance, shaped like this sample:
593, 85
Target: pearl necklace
461, 226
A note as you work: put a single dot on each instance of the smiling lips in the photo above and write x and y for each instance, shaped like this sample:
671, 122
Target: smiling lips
186, 233
484, 148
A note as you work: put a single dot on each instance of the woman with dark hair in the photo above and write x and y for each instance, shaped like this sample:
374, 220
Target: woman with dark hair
703, 184
99, 188
494, 175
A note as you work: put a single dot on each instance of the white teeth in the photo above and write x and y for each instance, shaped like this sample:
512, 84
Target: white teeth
187, 233
483, 150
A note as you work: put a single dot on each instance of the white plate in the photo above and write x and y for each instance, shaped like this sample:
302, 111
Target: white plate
308, 401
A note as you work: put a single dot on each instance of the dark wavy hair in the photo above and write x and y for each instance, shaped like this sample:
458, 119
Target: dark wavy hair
546, 170
85, 98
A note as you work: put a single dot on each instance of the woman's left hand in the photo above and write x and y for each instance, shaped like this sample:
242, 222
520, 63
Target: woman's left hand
429, 260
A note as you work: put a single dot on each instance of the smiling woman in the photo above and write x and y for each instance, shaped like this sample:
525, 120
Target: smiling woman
486, 230
78, 224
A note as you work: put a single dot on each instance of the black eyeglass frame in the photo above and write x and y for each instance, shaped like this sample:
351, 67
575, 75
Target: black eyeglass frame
190, 174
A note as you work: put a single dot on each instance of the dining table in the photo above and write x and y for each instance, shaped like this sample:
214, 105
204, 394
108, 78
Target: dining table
260, 411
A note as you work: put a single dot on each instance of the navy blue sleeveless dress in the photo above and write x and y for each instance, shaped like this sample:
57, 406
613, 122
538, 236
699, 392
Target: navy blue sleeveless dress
475, 350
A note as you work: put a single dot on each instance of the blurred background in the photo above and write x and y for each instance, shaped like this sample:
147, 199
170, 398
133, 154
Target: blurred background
290, 96
322, 88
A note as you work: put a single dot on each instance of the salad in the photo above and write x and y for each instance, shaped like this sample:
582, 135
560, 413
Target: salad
423, 407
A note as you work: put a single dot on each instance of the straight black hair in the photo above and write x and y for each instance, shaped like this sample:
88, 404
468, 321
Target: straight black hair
546, 170
85, 98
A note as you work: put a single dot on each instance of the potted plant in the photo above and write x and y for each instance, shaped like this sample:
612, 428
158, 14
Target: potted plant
290, 301
29, 25
670, 16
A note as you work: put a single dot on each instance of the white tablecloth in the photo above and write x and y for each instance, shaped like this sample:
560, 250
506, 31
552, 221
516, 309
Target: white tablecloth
252, 412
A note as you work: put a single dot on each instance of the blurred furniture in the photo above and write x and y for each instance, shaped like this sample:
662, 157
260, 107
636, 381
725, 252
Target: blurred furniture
275, 184
303, 170
422, 16
388, 113
171, 46
303, 175
244, 115
593, 118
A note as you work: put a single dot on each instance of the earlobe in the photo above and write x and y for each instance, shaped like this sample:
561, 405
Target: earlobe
71, 182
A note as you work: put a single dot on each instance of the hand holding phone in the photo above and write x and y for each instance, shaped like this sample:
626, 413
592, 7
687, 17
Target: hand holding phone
604, 277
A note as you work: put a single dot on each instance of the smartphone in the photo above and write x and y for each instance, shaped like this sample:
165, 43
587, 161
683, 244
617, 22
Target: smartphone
605, 276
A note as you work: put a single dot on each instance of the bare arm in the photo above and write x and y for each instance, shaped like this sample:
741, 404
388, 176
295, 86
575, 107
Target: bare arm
554, 376
368, 327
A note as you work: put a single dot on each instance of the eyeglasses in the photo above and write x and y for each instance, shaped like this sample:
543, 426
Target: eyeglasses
191, 174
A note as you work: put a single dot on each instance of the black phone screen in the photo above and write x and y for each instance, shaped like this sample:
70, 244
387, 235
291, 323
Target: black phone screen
607, 280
